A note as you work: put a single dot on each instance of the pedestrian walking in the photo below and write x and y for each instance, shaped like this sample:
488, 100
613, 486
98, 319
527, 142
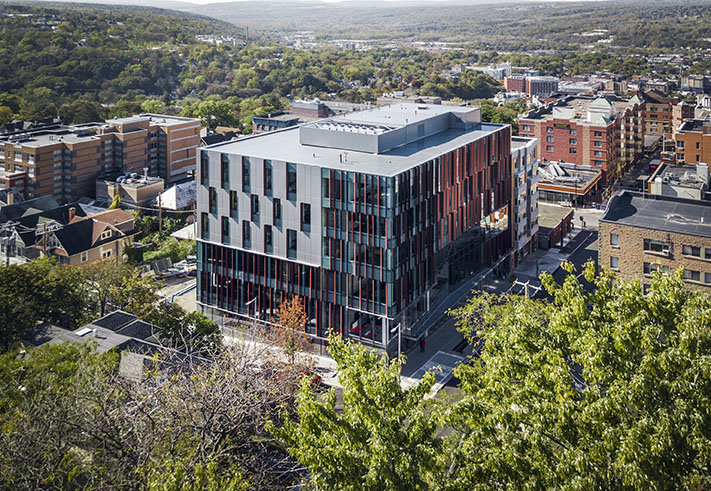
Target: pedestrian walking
422, 344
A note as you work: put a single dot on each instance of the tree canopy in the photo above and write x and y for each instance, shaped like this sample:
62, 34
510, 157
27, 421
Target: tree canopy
602, 390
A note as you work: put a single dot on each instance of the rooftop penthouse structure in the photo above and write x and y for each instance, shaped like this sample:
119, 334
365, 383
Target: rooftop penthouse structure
370, 217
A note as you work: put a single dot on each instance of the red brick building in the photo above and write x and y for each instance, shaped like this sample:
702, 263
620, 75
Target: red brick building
605, 133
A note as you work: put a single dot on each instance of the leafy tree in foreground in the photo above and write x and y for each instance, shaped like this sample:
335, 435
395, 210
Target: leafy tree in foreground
610, 389
384, 438
603, 390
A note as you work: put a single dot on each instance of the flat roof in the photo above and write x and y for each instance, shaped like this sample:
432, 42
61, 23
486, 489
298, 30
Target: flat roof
162, 119
677, 215
550, 216
520, 142
285, 145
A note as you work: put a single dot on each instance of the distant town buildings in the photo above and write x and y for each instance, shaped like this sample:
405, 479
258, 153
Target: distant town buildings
64, 161
532, 85
640, 234
371, 217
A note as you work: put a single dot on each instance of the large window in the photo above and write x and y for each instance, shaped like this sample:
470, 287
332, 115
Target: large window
291, 182
691, 251
650, 268
225, 171
291, 244
245, 174
277, 212
690, 275
656, 246
305, 217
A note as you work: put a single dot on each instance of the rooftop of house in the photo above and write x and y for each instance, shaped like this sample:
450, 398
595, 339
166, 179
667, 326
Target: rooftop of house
384, 140
664, 213
116, 330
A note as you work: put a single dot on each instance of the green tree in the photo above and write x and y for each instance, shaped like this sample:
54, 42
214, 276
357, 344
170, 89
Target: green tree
41, 290
385, 436
6, 115
153, 106
610, 389
118, 285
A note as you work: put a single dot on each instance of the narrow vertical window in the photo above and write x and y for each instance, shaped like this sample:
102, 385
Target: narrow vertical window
225, 171
268, 177
245, 174
305, 217
246, 234
268, 239
255, 207
233, 204
204, 168
291, 244
225, 230
205, 228
277, 212
291, 182
213, 200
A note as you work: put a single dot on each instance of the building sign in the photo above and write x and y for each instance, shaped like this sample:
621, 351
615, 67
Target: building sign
561, 126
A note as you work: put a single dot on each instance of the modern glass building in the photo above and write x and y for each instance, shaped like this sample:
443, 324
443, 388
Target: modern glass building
372, 217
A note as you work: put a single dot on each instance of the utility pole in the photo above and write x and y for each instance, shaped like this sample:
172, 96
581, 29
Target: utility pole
44, 238
160, 217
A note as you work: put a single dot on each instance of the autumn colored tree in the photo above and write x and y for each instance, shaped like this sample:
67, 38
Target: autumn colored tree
288, 330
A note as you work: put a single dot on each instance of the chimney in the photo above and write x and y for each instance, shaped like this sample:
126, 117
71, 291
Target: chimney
10, 196
72, 213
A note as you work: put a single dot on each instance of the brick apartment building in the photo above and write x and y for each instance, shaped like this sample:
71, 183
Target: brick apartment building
693, 141
663, 114
64, 161
641, 233
605, 133
371, 217
532, 85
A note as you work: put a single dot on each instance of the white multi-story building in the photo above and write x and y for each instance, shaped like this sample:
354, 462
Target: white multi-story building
525, 196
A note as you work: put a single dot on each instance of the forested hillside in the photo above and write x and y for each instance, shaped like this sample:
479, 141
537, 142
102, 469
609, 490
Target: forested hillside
90, 62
